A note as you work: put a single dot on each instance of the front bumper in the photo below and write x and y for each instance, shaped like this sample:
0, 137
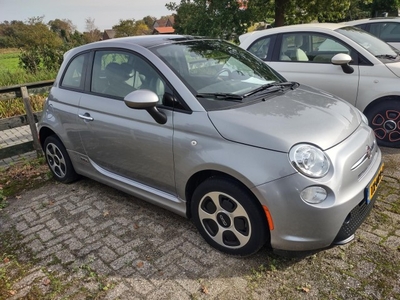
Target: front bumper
299, 226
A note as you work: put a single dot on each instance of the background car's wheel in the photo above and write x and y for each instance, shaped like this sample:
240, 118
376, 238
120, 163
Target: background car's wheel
58, 160
228, 217
384, 118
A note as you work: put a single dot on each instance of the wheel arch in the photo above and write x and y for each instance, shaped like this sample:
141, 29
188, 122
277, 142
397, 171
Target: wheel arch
199, 177
44, 133
377, 101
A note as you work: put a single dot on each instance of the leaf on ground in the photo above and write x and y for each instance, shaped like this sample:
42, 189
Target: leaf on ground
46, 281
204, 289
135, 225
6, 260
140, 264
12, 292
106, 213
305, 289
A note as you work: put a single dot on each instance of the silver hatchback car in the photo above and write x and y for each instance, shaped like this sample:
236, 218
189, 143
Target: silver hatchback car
207, 130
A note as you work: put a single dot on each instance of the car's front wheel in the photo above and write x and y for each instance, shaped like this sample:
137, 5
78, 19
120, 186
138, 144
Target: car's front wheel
228, 217
58, 160
384, 119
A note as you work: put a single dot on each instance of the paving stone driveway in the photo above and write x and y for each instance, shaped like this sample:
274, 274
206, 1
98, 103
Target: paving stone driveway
150, 253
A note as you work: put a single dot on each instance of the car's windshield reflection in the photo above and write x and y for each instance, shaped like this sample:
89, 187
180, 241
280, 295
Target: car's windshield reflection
216, 70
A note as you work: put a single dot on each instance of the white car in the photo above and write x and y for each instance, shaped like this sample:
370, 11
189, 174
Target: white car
387, 29
342, 60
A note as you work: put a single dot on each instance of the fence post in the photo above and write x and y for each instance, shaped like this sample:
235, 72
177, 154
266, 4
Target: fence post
31, 121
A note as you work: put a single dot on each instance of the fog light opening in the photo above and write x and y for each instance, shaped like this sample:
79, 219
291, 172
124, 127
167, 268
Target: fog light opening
348, 218
314, 194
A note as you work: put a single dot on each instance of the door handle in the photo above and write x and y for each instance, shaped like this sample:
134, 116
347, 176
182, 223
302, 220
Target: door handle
86, 117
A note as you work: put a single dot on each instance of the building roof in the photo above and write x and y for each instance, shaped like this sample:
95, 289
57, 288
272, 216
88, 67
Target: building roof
163, 30
109, 34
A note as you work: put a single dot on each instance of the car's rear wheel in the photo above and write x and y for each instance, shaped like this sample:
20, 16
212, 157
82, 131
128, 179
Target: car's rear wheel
228, 217
384, 119
58, 160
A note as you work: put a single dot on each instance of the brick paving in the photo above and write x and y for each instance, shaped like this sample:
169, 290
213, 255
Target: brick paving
149, 253
15, 136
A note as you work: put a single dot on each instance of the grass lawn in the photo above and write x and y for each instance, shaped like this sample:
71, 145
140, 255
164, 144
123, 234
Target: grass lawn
9, 60
12, 74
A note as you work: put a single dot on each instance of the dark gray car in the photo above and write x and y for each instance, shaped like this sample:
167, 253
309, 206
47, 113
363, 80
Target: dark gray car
208, 131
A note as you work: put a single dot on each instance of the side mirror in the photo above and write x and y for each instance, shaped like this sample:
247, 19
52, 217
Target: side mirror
145, 99
343, 60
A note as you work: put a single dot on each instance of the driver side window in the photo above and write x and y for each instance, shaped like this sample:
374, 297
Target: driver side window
310, 48
325, 47
117, 73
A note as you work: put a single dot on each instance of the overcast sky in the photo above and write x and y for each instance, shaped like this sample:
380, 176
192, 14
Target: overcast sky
105, 13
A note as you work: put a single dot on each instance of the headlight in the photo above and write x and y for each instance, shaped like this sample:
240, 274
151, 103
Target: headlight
309, 160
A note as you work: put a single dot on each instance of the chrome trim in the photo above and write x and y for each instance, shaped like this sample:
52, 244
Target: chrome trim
86, 118
370, 152
136, 184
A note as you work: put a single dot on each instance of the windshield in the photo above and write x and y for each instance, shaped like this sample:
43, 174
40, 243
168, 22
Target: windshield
374, 45
217, 71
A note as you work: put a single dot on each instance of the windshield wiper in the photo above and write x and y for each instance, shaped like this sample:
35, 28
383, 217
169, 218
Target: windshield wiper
280, 85
221, 96
387, 56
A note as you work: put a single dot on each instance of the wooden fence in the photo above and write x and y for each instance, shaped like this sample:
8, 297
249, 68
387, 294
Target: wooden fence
30, 118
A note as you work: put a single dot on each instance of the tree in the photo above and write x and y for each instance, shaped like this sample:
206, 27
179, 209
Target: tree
64, 28
287, 12
141, 28
130, 28
216, 18
149, 21
40, 47
124, 28
92, 33
359, 9
9, 32
380, 6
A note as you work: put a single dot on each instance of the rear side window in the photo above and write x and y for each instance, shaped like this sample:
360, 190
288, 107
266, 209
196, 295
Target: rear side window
74, 74
261, 48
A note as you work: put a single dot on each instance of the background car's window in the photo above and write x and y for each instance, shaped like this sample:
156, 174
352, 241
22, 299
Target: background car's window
310, 47
260, 48
73, 75
293, 47
324, 48
389, 32
371, 43
118, 73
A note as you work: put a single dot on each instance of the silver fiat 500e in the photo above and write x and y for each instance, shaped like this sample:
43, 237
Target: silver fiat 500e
207, 130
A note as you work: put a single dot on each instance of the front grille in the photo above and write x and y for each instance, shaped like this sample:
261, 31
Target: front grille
354, 219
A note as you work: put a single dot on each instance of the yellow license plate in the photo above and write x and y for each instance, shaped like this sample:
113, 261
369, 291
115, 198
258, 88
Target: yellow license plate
373, 186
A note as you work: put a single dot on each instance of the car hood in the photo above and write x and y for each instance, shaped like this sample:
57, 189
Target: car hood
303, 115
394, 67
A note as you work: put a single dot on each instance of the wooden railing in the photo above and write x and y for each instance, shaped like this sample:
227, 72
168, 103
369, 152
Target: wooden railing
30, 118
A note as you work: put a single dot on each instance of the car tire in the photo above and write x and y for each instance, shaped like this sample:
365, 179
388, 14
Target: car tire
384, 119
58, 160
228, 217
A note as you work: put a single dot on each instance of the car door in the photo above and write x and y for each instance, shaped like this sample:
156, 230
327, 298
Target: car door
305, 57
64, 101
120, 141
